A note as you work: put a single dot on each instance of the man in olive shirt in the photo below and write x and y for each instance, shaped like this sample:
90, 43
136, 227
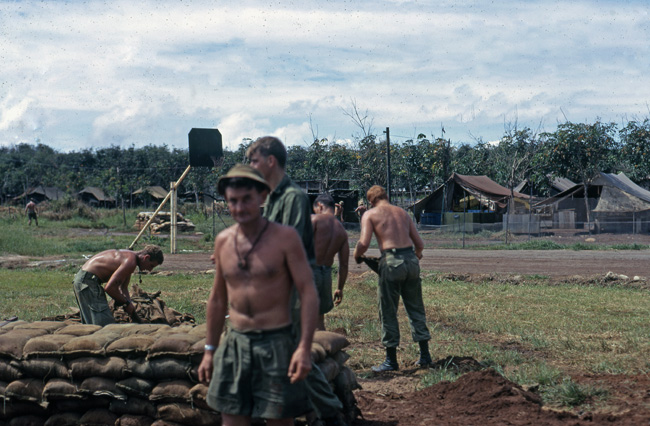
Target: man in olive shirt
289, 205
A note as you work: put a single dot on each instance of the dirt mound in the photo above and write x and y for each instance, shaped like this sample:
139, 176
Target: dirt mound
478, 397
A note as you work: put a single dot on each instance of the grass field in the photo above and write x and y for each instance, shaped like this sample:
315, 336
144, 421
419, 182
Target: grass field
533, 333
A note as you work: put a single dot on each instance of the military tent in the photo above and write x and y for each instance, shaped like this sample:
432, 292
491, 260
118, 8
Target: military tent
94, 196
474, 194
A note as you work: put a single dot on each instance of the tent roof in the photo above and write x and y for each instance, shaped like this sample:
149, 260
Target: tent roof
98, 193
479, 186
485, 186
155, 191
558, 183
612, 185
620, 194
49, 192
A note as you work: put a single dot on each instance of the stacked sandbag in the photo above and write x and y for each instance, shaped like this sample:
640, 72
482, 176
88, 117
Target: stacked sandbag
162, 222
327, 352
57, 373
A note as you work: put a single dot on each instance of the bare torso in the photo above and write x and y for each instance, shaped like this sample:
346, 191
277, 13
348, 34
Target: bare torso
391, 225
259, 295
104, 264
329, 237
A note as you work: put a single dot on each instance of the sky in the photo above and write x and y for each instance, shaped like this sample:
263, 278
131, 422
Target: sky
78, 75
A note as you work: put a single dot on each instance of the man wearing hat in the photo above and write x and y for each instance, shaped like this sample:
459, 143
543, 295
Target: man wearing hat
258, 370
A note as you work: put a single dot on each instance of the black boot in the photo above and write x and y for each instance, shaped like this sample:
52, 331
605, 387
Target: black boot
390, 364
425, 360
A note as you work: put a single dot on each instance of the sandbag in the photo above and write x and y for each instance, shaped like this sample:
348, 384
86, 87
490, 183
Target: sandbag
80, 405
131, 420
98, 417
173, 345
46, 345
57, 389
90, 345
12, 324
330, 368
111, 367
20, 408
155, 369
318, 353
63, 419
48, 326
186, 415
198, 396
13, 342
145, 329
30, 390
136, 386
332, 342
171, 391
28, 420
101, 386
45, 368
133, 406
341, 357
78, 329
3, 389
199, 330
10, 370
131, 346
165, 423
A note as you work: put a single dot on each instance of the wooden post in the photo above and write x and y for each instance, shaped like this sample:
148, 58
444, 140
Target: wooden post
173, 208
162, 203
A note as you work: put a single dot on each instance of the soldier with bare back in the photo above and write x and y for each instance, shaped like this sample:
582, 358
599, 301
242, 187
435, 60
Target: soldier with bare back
113, 267
399, 274
330, 239
258, 370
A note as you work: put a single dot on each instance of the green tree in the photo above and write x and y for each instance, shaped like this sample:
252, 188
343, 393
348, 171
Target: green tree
635, 151
579, 151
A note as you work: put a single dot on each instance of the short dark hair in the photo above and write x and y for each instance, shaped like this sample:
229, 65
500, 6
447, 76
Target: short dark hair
269, 145
242, 182
325, 199
154, 252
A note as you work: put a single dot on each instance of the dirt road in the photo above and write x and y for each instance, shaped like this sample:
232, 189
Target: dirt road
551, 263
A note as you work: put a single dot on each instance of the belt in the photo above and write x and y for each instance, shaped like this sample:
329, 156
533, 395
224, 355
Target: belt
90, 275
269, 332
398, 250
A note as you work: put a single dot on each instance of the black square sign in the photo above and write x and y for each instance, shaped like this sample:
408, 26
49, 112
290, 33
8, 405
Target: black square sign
205, 147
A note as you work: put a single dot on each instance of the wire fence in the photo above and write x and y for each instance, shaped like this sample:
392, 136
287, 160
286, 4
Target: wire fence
462, 232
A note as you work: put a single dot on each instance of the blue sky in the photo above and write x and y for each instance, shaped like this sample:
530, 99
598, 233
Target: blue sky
92, 74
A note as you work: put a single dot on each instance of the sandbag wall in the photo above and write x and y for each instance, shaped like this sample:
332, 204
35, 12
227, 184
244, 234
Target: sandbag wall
56, 373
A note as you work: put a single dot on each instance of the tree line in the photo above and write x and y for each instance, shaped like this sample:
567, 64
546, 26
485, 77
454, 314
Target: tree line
576, 151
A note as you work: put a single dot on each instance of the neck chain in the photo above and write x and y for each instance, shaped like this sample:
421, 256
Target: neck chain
243, 261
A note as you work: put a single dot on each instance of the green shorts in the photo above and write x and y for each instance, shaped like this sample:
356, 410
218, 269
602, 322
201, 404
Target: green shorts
323, 281
250, 376
91, 299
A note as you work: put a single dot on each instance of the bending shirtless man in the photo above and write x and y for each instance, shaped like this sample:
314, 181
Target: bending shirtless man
113, 267
330, 239
257, 371
399, 274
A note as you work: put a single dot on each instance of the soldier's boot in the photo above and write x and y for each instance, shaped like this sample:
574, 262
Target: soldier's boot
425, 360
390, 364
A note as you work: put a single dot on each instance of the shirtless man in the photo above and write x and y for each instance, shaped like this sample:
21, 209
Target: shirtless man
113, 267
399, 274
31, 211
330, 239
257, 371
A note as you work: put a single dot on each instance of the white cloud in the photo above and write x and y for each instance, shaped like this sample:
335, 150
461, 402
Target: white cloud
145, 72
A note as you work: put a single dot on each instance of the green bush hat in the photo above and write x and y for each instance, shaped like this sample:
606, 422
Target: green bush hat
241, 171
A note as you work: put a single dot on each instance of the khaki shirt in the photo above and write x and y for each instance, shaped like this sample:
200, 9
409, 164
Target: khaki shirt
289, 205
